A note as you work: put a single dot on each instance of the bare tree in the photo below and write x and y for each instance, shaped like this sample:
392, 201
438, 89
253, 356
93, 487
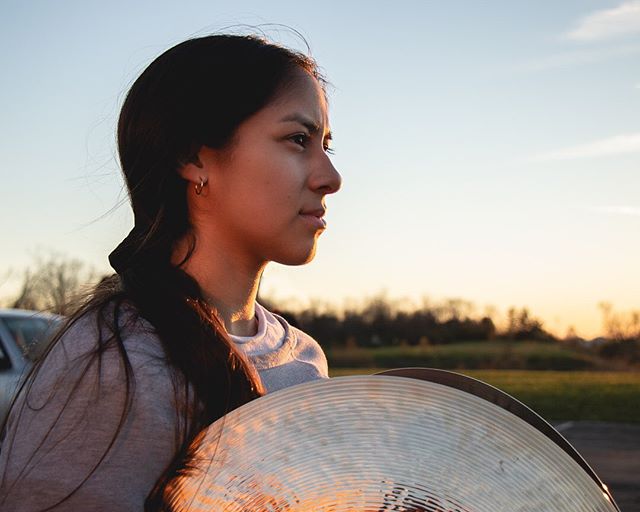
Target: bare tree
522, 326
620, 326
26, 298
52, 283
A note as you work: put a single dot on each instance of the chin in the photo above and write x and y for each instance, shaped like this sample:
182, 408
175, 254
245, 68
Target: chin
298, 258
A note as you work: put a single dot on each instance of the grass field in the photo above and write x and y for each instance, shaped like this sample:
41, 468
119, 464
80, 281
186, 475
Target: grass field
560, 395
521, 355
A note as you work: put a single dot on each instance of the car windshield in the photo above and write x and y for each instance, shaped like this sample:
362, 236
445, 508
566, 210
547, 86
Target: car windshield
31, 333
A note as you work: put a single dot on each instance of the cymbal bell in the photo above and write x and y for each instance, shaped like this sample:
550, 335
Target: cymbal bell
381, 443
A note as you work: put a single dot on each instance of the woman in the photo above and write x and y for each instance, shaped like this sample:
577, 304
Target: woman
223, 142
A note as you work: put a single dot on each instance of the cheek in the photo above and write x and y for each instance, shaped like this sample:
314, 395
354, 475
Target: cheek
266, 184
264, 204
279, 183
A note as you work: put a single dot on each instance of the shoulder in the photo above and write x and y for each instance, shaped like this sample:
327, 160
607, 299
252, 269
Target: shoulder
101, 402
305, 345
110, 354
102, 359
306, 350
108, 327
102, 348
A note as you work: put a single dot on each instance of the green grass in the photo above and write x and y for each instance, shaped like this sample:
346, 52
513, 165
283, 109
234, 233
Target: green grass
561, 395
523, 355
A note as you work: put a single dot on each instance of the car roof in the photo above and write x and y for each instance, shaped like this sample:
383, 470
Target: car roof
26, 313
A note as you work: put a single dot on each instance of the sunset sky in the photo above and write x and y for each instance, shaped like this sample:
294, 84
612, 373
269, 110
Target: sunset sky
489, 150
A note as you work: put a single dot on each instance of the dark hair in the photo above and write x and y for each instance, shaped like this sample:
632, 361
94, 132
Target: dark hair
194, 94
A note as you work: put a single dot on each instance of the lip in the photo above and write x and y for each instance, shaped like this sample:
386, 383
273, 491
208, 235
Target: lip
318, 212
314, 218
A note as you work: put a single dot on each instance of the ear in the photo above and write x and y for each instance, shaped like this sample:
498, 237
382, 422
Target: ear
193, 170
202, 166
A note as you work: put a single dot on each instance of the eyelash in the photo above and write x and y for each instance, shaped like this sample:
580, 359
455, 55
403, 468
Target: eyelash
301, 139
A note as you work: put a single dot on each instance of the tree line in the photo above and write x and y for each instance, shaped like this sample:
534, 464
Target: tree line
53, 282
378, 323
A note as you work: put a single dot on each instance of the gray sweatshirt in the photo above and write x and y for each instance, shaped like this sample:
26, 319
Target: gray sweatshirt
55, 439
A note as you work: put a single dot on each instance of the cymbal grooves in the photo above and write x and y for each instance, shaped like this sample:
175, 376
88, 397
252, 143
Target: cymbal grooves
381, 443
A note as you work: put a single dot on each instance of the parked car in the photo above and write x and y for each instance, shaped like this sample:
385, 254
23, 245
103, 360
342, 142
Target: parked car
23, 337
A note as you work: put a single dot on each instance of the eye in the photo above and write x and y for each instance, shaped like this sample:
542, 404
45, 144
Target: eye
327, 148
300, 139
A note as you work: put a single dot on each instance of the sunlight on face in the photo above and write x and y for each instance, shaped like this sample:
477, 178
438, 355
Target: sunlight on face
267, 195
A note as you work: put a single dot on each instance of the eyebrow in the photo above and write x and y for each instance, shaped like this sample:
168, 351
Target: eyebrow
308, 123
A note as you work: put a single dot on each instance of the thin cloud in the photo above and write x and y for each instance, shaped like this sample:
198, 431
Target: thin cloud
610, 146
579, 57
634, 211
607, 23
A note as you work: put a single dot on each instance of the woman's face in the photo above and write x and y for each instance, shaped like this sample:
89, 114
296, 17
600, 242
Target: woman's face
265, 195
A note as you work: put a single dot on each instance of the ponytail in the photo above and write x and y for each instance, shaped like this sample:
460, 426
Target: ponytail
218, 377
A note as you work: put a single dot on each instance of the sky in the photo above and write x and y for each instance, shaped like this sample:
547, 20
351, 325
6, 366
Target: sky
489, 151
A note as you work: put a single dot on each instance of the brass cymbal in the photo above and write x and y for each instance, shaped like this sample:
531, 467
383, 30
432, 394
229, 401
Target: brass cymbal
385, 443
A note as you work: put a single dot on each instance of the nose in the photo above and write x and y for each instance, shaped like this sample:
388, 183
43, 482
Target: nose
326, 179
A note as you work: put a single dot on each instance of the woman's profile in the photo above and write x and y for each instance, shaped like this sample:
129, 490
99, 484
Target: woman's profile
223, 144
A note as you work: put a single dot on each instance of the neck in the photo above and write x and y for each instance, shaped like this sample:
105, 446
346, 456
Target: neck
228, 284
